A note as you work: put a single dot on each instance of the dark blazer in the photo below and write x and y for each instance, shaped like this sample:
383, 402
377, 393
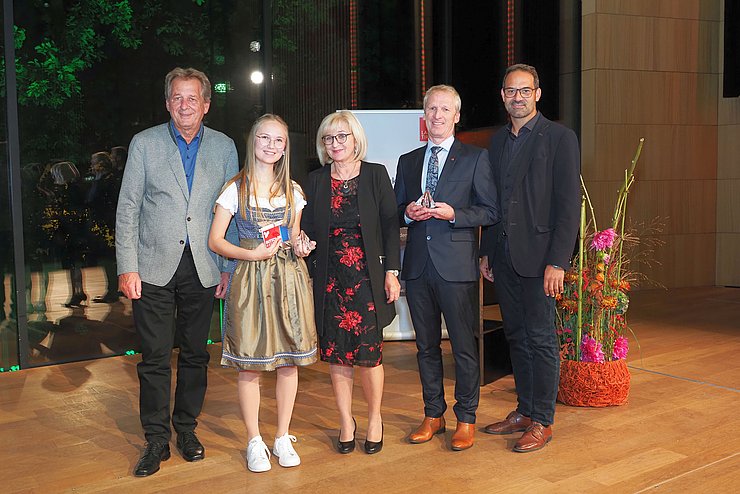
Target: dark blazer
466, 184
544, 208
380, 233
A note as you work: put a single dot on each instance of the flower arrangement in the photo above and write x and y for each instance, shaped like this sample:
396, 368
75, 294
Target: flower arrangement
591, 323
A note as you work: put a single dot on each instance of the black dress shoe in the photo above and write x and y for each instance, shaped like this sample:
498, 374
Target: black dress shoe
345, 447
372, 447
189, 447
76, 300
149, 462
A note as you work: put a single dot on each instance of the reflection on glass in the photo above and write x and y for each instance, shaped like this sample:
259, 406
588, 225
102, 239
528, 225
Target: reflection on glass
8, 302
76, 118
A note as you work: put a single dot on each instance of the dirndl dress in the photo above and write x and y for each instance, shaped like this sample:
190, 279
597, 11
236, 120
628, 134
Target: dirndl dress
268, 316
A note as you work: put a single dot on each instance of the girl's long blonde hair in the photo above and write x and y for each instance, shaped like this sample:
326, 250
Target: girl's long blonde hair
283, 185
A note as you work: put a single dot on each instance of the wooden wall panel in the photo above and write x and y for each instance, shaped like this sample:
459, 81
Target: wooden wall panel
670, 152
729, 110
679, 206
641, 97
683, 260
588, 119
728, 207
652, 43
728, 183
651, 69
728, 260
728, 151
589, 42
682, 9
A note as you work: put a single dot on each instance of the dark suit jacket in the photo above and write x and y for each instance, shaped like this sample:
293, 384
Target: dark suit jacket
544, 208
380, 233
466, 184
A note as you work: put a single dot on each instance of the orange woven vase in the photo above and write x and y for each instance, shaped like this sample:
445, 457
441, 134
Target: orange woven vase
594, 384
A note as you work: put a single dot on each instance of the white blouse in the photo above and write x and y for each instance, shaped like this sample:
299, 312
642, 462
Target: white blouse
229, 200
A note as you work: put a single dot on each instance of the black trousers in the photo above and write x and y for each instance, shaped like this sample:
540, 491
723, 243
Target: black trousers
529, 326
430, 297
178, 312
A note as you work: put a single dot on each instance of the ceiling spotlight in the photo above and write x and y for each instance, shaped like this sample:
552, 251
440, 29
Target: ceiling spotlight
255, 46
257, 77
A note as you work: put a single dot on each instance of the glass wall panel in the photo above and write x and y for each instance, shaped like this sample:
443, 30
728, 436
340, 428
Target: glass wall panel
8, 302
90, 76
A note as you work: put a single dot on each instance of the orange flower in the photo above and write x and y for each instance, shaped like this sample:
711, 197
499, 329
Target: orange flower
600, 277
609, 302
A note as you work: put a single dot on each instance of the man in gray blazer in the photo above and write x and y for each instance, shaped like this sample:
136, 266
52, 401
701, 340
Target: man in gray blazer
172, 178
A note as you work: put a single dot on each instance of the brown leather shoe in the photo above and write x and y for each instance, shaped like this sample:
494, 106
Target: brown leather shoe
426, 431
463, 436
535, 438
515, 422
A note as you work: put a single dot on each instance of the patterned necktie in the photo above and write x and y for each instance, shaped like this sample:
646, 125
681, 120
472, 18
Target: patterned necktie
432, 167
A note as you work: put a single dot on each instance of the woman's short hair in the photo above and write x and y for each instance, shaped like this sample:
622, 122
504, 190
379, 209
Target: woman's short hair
332, 121
189, 73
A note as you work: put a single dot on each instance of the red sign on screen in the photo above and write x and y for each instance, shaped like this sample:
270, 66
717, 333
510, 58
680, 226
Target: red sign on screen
423, 134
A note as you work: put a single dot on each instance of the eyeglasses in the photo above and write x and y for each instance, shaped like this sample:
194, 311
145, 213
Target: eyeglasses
526, 92
265, 140
341, 138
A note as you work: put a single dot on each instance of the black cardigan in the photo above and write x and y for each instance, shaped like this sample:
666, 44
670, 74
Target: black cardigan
380, 233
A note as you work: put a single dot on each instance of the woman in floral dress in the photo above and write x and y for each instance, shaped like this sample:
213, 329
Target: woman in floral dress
268, 321
352, 215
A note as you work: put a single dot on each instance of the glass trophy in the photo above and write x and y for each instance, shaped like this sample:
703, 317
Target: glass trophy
427, 201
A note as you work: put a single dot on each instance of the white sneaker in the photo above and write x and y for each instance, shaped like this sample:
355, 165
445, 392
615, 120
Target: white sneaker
258, 455
287, 457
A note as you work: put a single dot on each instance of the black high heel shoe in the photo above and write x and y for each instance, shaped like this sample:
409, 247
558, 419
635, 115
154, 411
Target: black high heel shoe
346, 447
372, 447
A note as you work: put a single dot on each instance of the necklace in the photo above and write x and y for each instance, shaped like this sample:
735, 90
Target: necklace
345, 181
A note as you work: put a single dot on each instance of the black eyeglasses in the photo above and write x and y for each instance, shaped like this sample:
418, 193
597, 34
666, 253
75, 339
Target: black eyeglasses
341, 138
526, 92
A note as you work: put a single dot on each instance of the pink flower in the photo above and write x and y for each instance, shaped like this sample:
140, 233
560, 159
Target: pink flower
591, 350
604, 239
621, 345
607, 258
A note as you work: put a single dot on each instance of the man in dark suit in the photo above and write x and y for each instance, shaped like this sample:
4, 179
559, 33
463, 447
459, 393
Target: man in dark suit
441, 256
536, 167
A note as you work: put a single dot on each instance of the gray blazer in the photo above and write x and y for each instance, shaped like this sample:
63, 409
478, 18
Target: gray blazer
156, 214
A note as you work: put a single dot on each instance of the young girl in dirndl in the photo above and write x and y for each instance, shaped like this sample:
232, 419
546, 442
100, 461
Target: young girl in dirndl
268, 321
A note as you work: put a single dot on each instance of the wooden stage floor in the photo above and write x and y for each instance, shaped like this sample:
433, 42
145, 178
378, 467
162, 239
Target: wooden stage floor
75, 427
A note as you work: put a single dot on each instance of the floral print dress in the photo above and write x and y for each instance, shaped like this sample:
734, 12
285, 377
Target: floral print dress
351, 334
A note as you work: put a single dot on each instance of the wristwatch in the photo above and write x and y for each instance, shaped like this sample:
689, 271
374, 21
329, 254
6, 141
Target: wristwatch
394, 272
556, 266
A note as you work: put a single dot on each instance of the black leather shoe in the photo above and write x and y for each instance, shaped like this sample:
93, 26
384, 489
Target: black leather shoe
345, 447
189, 447
372, 447
149, 462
